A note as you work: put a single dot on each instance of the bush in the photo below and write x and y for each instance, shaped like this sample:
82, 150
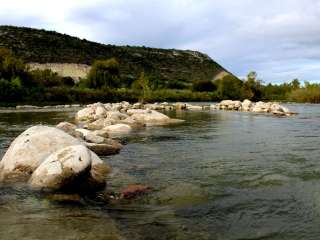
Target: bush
142, 87
104, 74
11, 90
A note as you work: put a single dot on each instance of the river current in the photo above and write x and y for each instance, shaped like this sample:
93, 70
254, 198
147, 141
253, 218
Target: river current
219, 175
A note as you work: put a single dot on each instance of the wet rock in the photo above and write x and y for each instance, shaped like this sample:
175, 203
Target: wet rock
105, 149
30, 149
62, 168
134, 190
98, 172
64, 197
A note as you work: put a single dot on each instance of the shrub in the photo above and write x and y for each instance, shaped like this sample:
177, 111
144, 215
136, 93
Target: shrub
104, 74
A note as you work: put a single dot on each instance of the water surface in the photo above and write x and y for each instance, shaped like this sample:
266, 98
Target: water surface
218, 175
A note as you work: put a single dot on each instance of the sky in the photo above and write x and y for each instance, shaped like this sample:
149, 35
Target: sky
279, 39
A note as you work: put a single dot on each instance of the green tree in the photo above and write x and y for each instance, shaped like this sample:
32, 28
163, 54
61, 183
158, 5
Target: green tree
229, 87
104, 74
142, 87
295, 84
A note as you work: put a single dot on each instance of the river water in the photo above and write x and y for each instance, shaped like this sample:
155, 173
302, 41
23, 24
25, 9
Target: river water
219, 175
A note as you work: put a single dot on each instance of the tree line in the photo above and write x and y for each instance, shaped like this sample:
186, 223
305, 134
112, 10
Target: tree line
18, 84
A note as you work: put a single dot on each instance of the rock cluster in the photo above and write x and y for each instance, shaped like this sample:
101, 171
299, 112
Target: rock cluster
248, 106
65, 157
50, 159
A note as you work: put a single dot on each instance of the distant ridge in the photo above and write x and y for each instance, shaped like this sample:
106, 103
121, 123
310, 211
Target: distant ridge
41, 46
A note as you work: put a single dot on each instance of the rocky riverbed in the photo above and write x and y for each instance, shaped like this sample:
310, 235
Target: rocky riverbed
66, 157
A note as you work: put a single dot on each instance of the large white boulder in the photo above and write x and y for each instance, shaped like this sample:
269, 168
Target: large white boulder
91, 112
30, 149
61, 168
85, 114
150, 116
246, 105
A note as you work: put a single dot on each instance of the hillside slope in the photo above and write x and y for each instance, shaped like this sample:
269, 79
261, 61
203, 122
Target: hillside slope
42, 46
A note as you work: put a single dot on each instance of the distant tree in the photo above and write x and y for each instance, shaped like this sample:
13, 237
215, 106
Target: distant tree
11, 66
104, 73
229, 87
46, 78
142, 86
254, 85
295, 84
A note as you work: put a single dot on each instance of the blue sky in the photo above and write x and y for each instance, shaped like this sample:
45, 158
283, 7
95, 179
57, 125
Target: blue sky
279, 39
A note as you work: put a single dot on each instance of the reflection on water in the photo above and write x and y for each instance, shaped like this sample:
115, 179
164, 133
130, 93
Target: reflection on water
219, 175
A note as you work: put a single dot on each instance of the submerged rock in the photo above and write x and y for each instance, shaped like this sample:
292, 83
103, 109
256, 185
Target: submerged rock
182, 194
133, 190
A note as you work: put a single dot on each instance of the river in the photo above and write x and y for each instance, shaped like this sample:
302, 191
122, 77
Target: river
219, 175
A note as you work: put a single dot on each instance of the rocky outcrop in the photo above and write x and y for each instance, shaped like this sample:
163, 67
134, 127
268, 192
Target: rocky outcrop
75, 71
49, 158
30, 148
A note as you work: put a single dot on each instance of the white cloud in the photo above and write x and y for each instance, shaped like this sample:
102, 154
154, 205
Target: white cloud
278, 39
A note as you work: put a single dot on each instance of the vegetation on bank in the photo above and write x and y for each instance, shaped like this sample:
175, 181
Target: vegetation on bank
104, 83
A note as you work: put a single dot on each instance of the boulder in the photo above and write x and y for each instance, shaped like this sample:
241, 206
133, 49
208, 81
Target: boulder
246, 105
150, 117
90, 136
102, 133
116, 115
91, 112
181, 106
193, 107
118, 129
85, 114
100, 112
70, 129
133, 190
62, 168
104, 149
98, 172
137, 106
98, 124
30, 149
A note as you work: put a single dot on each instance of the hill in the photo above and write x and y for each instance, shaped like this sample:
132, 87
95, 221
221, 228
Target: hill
41, 46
